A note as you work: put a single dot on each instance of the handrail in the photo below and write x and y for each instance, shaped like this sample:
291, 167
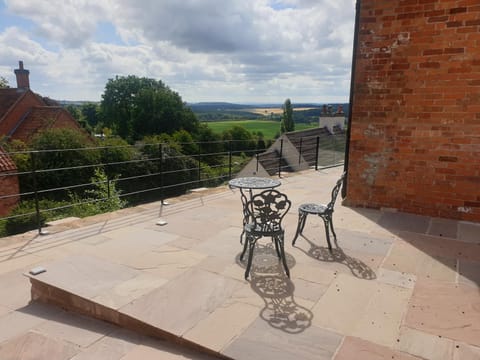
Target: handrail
166, 171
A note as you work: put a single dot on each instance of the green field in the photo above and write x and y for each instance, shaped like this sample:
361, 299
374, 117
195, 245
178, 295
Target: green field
268, 128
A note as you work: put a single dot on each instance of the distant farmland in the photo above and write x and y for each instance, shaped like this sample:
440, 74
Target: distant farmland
268, 128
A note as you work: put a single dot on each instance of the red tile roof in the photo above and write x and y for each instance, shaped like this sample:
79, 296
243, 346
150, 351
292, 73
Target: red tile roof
6, 163
8, 97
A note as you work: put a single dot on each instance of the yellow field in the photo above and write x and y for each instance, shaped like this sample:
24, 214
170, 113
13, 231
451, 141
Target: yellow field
268, 111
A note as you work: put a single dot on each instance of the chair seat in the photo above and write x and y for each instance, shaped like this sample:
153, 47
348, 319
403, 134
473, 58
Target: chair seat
313, 208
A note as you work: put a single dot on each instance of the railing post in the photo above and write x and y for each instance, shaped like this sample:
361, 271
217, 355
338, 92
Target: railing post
35, 192
229, 159
280, 158
199, 166
316, 152
256, 156
300, 151
108, 187
160, 170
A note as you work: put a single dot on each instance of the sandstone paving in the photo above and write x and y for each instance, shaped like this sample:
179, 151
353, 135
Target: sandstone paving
79, 330
359, 349
443, 228
269, 341
468, 231
464, 351
469, 273
178, 306
393, 282
445, 309
425, 345
33, 345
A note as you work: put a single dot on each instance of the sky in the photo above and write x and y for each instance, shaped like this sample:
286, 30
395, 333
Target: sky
240, 51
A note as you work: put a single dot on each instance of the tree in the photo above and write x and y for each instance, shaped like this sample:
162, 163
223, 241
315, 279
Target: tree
134, 107
3, 83
287, 120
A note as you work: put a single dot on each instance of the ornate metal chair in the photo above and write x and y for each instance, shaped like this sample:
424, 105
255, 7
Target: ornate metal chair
266, 211
324, 211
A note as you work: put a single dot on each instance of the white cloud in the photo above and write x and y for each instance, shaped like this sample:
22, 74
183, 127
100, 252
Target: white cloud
208, 50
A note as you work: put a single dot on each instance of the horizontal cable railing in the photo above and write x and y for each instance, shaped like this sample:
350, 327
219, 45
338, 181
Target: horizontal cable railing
51, 184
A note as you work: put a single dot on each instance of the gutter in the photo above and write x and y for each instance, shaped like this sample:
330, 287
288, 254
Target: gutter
350, 105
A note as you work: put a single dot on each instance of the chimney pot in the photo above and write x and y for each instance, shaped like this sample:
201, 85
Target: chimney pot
23, 81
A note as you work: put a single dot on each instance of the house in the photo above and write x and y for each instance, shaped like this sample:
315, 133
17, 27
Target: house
9, 189
414, 133
23, 114
300, 150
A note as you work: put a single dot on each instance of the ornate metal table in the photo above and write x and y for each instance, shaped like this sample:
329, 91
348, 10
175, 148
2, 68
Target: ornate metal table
250, 184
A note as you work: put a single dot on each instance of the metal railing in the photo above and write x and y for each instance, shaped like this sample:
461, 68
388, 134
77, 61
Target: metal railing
53, 182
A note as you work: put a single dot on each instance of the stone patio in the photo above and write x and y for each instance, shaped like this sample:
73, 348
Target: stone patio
119, 286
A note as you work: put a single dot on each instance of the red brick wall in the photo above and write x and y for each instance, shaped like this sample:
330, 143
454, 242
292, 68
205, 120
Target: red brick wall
415, 132
8, 186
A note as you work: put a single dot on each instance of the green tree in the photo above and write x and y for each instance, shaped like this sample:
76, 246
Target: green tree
287, 119
63, 149
91, 113
3, 83
134, 107
241, 139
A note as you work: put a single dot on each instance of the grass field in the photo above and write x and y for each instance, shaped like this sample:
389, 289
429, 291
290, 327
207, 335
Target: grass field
268, 128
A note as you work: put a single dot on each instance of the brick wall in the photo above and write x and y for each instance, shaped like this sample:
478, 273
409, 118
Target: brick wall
8, 186
415, 132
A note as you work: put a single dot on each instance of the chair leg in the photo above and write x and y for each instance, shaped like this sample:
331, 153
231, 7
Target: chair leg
302, 217
330, 218
275, 240
283, 257
245, 244
327, 233
251, 245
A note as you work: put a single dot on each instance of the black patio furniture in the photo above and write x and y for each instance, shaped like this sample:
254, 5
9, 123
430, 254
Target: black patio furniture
324, 211
250, 184
266, 211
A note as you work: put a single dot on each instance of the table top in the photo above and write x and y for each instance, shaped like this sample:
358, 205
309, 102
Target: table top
254, 183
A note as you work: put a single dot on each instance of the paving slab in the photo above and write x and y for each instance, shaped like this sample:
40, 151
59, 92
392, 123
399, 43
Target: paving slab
443, 228
464, 351
85, 275
32, 346
359, 349
425, 345
445, 309
261, 341
398, 221
468, 231
79, 330
179, 305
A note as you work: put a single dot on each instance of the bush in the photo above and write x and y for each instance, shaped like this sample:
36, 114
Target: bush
25, 215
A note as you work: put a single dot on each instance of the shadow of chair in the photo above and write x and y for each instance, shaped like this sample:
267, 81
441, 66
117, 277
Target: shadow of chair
281, 311
323, 211
266, 212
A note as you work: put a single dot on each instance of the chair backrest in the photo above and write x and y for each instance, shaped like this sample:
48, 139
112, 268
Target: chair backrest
335, 191
267, 210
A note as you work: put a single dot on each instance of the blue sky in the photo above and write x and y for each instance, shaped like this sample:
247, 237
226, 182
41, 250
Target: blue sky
243, 51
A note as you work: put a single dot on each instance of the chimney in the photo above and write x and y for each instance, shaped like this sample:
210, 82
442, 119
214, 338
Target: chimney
22, 77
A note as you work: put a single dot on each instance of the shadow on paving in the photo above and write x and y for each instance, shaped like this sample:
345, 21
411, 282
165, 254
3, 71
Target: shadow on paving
269, 281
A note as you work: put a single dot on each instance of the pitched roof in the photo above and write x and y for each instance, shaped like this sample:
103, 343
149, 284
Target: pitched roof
8, 97
6, 163
39, 117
